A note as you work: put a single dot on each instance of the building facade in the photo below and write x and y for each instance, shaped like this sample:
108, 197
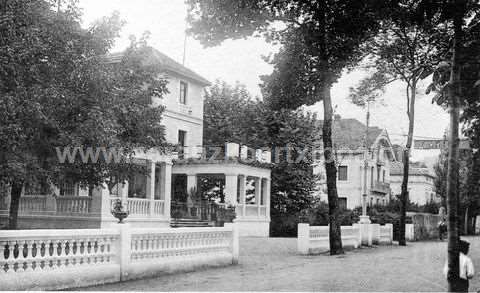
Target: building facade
150, 199
359, 171
421, 189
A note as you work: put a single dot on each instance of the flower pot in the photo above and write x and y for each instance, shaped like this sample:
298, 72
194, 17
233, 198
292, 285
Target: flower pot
120, 215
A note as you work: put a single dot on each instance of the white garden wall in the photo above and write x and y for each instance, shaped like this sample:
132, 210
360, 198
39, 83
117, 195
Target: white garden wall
59, 259
315, 239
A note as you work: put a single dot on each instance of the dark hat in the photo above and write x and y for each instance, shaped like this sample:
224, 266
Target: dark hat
463, 245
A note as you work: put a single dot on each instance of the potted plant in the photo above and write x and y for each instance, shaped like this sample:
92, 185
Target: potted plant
118, 211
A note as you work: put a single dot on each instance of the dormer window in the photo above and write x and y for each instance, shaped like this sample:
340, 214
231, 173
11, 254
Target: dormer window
183, 92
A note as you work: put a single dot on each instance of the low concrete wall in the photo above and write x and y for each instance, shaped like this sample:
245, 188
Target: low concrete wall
425, 226
315, 239
59, 259
253, 228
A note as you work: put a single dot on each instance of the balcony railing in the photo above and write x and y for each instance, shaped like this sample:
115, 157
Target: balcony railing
381, 187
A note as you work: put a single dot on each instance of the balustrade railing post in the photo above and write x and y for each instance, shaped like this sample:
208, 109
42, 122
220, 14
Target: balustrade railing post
51, 203
303, 238
235, 241
124, 250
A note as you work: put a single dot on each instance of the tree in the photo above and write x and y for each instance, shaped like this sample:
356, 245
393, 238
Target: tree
319, 39
468, 190
58, 92
453, 83
405, 51
232, 115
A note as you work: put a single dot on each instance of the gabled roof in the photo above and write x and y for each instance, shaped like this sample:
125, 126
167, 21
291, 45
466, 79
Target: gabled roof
350, 134
166, 62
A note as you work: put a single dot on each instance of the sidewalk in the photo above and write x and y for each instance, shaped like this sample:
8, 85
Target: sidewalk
273, 265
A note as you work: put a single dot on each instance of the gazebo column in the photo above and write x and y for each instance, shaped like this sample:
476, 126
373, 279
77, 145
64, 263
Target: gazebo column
151, 186
191, 182
124, 194
266, 194
165, 187
258, 193
231, 188
242, 179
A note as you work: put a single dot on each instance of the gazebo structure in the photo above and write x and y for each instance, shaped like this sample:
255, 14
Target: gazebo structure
148, 198
246, 185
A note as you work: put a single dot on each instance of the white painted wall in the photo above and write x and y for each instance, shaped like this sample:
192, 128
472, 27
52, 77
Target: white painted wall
420, 186
187, 117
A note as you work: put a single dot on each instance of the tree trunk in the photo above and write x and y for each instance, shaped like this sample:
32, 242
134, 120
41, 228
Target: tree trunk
331, 170
406, 163
452, 173
15, 194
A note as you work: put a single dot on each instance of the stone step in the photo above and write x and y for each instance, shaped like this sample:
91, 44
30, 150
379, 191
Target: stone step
176, 223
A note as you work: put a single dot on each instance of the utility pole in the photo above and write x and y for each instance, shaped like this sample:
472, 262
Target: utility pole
364, 218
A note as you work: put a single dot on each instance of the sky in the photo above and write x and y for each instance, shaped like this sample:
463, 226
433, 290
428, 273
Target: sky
241, 61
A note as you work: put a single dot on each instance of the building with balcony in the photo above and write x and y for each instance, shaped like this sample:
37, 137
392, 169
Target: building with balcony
165, 196
353, 160
421, 189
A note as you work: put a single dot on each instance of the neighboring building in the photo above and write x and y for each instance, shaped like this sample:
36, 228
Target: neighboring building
348, 140
150, 199
420, 183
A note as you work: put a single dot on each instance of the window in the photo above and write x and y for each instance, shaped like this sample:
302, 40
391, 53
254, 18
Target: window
383, 176
182, 135
342, 173
342, 203
183, 92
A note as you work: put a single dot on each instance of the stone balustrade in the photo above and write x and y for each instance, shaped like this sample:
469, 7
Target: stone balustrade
37, 203
54, 259
60, 205
315, 239
73, 204
59, 259
138, 206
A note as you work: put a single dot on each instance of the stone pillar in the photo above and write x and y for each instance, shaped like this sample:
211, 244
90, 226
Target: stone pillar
151, 186
242, 181
231, 188
258, 193
266, 194
50, 203
477, 225
259, 155
103, 194
232, 150
243, 152
235, 241
124, 250
303, 238
166, 187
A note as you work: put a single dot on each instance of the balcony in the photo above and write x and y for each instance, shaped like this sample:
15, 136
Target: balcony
381, 187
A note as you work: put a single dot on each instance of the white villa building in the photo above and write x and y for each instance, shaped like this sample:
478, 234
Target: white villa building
151, 200
420, 183
348, 140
